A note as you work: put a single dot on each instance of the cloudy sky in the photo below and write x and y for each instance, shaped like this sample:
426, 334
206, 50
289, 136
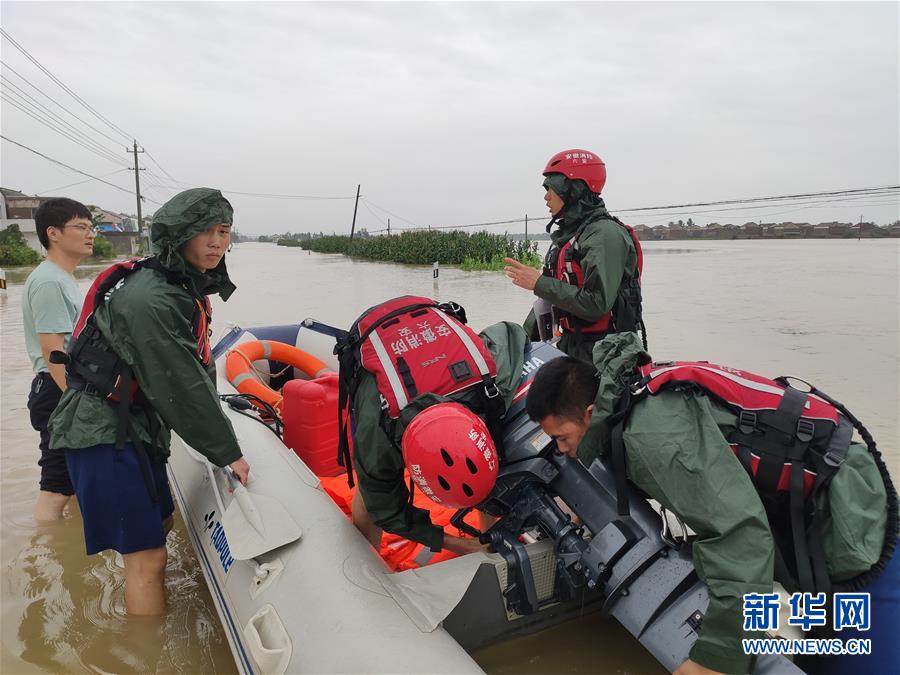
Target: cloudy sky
447, 112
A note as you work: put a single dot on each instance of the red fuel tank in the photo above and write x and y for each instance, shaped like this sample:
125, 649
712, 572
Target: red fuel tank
309, 411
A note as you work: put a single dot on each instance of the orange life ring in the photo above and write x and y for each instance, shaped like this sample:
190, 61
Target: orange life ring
242, 374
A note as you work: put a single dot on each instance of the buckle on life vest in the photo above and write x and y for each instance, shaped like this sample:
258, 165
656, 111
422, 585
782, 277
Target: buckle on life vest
490, 390
805, 430
747, 422
834, 459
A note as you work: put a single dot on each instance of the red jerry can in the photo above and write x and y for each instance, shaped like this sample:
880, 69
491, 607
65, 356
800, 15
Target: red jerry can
309, 410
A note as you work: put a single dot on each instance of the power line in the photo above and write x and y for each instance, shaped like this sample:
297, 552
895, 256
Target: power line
381, 208
81, 182
374, 215
71, 168
820, 203
4, 95
58, 104
181, 185
71, 93
153, 159
846, 195
43, 109
761, 199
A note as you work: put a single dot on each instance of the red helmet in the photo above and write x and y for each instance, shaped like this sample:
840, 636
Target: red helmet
581, 164
450, 455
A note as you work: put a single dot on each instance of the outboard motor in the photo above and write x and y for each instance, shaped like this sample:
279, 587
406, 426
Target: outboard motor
647, 580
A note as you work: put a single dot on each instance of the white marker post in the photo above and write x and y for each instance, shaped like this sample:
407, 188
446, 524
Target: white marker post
2, 282
435, 269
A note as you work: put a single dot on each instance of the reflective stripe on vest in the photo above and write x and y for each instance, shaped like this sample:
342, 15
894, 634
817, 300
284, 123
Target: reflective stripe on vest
387, 366
413, 346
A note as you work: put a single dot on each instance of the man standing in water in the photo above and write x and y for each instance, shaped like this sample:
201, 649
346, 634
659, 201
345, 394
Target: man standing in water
50, 304
140, 367
591, 275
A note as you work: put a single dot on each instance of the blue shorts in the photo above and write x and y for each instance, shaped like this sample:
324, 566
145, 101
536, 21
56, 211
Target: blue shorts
885, 617
115, 504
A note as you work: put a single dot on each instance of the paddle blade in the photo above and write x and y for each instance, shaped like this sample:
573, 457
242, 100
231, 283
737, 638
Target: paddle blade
273, 526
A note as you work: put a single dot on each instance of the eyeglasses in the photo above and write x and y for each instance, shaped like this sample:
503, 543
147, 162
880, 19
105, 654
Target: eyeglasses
84, 229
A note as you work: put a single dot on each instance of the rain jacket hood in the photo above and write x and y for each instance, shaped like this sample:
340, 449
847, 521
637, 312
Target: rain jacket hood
183, 217
149, 322
580, 203
615, 358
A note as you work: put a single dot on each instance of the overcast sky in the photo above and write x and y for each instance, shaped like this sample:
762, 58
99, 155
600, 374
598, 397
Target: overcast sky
447, 113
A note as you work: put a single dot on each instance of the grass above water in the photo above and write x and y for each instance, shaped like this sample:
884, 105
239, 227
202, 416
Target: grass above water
476, 251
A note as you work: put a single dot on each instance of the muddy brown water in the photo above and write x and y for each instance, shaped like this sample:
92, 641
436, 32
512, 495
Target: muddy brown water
826, 311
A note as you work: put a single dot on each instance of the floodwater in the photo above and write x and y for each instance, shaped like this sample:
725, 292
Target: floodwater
826, 311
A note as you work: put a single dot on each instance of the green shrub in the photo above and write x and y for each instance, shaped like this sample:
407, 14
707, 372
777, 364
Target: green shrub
103, 248
14, 250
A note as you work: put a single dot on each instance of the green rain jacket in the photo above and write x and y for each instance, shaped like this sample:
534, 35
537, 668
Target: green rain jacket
147, 321
676, 452
379, 464
608, 256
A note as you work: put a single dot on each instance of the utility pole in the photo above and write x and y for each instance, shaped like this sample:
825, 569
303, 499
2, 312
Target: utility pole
137, 187
389, 227
355, 206
526, 230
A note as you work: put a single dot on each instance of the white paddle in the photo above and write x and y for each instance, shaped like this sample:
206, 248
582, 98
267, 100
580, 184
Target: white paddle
254, 524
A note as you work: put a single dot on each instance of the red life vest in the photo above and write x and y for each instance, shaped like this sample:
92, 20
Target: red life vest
115, 274
94, 367
757, 401
790, 442
564, 263
412, 345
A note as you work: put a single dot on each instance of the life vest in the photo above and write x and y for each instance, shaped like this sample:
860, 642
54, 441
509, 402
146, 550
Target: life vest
400, 553
412, 345
564, 263
92, 365
790, 442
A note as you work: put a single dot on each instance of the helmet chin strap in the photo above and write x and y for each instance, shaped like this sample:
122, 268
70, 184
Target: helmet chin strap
553, 221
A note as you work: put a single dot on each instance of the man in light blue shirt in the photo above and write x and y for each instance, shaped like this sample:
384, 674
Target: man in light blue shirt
50, 305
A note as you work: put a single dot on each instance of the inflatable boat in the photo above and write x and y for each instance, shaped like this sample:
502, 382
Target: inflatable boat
299, 590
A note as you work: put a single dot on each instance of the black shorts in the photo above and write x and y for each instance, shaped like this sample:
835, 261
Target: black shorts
42, 401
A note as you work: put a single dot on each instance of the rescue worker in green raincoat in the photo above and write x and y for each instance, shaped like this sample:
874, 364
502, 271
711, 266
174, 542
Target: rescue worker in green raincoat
434, 438
675, 450
590, 285
139, 367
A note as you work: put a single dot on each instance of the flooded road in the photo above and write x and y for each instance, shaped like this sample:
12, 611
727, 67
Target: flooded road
826, 311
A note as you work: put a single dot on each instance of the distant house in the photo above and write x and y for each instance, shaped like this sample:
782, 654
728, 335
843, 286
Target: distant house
643, 232
752, 229
106, 221
17, 208
865, 230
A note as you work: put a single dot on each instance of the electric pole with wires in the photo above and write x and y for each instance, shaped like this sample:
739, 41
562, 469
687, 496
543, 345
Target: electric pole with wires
137, 192
355, 206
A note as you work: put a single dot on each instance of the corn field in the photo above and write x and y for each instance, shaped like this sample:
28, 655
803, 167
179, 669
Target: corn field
480, 250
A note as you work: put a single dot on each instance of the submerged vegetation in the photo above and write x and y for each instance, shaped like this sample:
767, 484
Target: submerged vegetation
477, 251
